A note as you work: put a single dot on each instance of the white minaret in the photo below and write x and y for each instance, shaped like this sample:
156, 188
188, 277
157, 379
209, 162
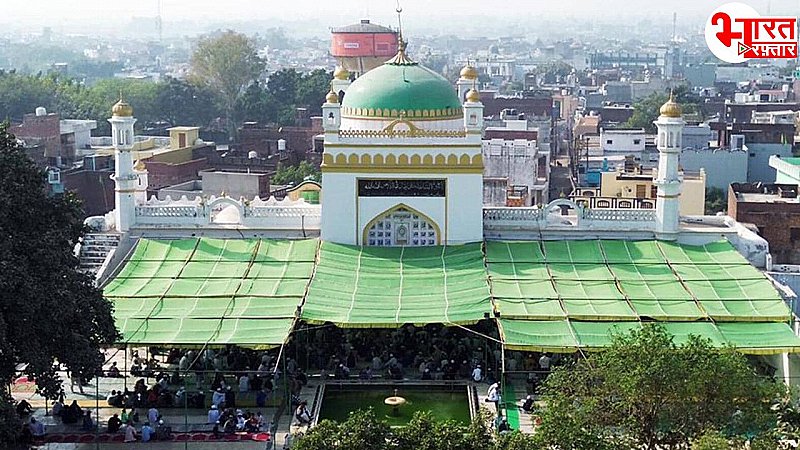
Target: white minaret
331, 112
466, 81
473, 112
124, 177
670, 130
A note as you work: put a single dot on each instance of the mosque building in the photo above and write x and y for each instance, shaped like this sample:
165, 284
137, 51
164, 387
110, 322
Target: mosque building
403, 169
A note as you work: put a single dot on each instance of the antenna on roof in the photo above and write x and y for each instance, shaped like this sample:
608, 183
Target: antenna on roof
399, 10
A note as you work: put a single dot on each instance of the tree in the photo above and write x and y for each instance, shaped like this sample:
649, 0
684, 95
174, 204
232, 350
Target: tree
716, 200
364, 431
51, 313
361, 431
646, 110
181, 103
646, 391
423, 432
311, 90
226, 64
296, 174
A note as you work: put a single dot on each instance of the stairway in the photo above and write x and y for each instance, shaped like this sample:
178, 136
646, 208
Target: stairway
94, 250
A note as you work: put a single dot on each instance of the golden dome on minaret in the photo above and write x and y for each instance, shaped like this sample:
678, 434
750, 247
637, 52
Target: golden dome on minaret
473, 96
469, 72
340, 73
671, 108
122, 108
332, 97
139, 166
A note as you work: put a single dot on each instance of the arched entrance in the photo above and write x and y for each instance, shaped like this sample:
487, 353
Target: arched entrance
401, 226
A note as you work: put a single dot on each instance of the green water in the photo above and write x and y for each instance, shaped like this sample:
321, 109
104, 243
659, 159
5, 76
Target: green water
337, 404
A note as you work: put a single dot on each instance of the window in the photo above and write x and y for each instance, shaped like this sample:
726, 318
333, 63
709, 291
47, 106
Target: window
609, 141
637, 141
402, 227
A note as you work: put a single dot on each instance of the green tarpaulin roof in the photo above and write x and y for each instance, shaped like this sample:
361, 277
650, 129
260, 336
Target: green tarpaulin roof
386, 287
568, 335
211, 291
551, 295
629, 280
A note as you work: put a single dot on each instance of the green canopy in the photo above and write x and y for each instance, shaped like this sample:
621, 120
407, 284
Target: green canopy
629, 280
388, 287
550, 295
211, 291
569, 336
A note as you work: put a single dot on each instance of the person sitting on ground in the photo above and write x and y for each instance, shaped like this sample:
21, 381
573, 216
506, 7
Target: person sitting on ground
503, 427
252, 424
124, 417
36, 427
302, 415
24, 408
72, 414
114, 399
230, 398
88, 423
163, 432
147, 432
240, 421
261, 421
527, 405
58, 408
230, 425
218, 398
493, 394
113, 371
213, 415
152, 415
130, 433
114, 423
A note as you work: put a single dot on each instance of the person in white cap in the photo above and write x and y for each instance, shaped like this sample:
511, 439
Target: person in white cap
213, 414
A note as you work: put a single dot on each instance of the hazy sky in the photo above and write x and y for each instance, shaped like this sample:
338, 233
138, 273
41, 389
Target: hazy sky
59, 11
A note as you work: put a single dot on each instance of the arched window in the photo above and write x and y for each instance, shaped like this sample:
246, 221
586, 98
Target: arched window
401, 226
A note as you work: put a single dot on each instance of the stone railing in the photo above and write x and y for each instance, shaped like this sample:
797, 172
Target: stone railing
565, 214
227, 212
168, 211
622, 215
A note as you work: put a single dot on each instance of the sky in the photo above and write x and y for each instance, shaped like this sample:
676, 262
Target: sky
57, 11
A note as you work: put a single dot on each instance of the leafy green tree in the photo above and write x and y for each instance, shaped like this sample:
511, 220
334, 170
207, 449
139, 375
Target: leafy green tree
424, 432
716, 200
282, 85
181, 103
226, 64
711, 440
646, 110
646, 392
311, 90
296, 174
51, 313
361, 431
256, 105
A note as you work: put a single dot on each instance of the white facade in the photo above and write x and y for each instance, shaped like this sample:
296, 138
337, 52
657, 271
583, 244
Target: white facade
622, 140
419, 181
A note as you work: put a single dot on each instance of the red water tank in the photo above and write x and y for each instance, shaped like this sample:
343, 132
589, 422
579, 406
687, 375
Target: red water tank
363, 46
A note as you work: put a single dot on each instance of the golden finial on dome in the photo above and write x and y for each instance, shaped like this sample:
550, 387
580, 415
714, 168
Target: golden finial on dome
122, 108
332, 96
469, 72
340, 73
671, 108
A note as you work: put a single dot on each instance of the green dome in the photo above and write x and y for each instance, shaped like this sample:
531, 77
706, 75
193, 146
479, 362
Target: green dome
401, 88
